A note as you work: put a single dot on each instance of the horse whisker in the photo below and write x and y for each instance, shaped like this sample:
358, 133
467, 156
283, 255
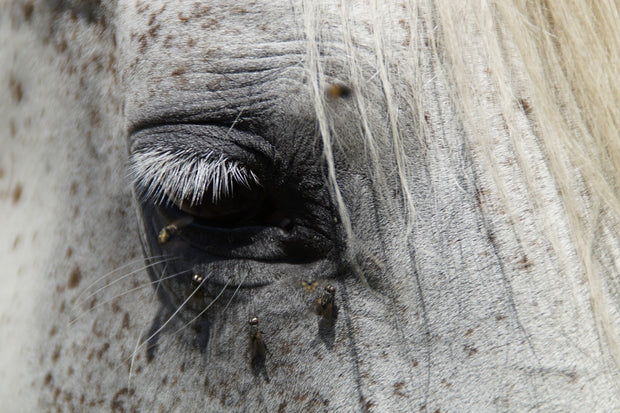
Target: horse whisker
204, 310
236, 291
135, 351
138, 347
150, 283
118, 269
169, 318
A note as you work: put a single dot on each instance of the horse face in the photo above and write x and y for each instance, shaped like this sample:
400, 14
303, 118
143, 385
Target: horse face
318, 230
236, 204
245, 191
242, 204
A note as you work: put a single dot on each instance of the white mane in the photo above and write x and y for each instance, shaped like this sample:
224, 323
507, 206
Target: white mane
549, 87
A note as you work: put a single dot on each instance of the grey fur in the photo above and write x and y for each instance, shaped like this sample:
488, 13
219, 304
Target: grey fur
467, 311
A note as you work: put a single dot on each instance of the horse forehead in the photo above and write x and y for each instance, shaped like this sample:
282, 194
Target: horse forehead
159, 35
224, 60
220, 24
172, 49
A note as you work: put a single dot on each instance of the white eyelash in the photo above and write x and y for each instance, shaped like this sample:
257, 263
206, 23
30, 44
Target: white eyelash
165, 175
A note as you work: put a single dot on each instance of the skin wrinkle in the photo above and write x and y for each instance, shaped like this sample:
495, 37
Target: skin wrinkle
509, 294
434, 306
354, 353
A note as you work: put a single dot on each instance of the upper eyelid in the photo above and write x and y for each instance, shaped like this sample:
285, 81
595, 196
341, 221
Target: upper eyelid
165, 175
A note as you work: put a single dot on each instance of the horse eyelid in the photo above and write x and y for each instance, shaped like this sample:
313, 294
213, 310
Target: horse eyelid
161, 175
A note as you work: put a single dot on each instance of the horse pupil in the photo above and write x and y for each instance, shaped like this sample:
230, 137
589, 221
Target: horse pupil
241, 206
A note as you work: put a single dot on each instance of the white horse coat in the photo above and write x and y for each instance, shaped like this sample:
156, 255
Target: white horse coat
458, 286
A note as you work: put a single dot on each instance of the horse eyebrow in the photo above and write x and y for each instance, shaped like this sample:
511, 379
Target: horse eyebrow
166, 175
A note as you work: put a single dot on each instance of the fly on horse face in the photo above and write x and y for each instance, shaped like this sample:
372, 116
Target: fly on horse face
309, 206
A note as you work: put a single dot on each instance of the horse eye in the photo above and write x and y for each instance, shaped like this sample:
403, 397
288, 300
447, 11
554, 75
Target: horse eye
240, 205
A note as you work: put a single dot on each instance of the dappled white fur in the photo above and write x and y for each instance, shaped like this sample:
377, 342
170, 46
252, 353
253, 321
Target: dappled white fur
477, 187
